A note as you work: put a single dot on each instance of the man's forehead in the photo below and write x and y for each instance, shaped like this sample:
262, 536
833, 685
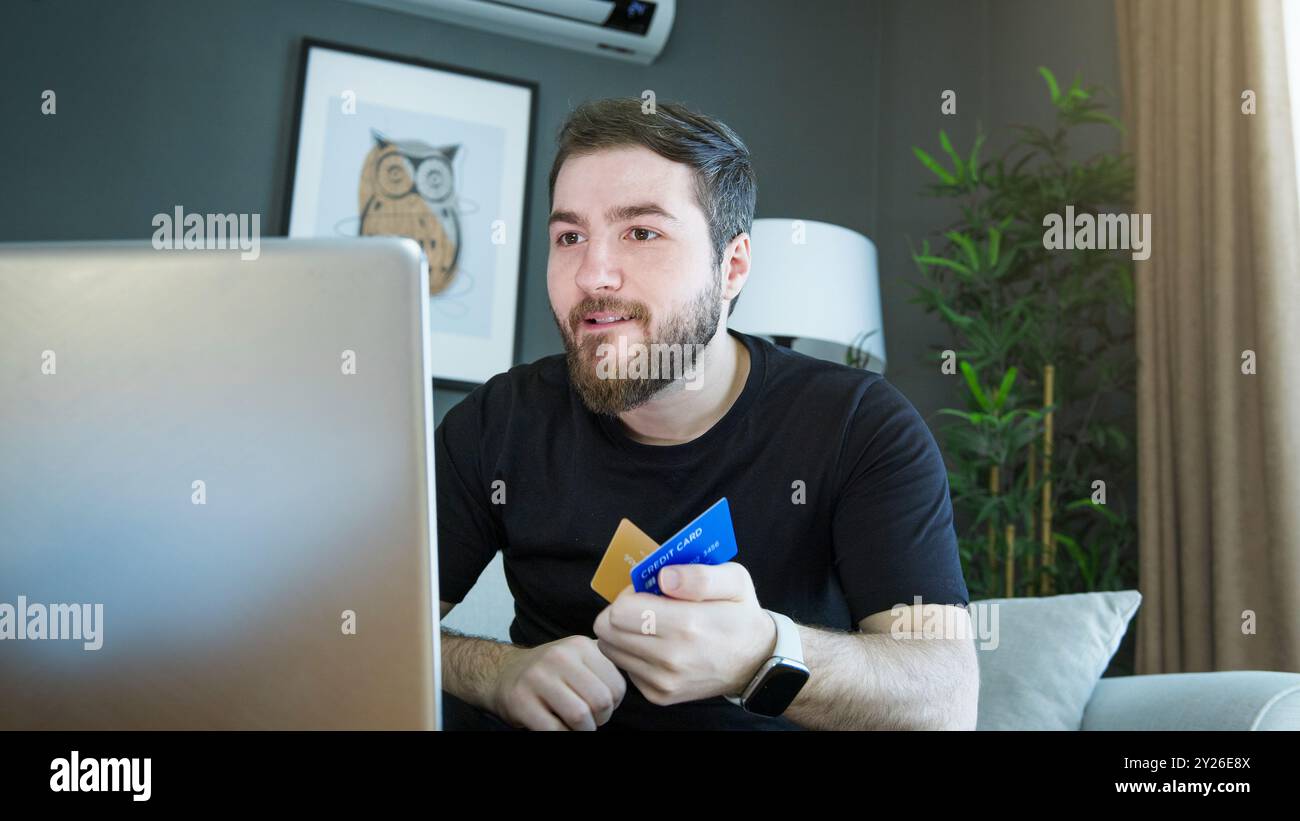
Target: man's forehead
591, 184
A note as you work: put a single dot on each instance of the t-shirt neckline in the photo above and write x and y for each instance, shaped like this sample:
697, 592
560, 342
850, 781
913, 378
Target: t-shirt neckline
613, 427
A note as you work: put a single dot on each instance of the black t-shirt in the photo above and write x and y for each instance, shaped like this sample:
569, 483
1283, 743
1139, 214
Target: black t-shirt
838, 495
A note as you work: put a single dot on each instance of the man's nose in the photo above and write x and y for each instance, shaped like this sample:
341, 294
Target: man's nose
599, 268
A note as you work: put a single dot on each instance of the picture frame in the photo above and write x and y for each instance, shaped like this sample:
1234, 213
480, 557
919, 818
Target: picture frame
393, 145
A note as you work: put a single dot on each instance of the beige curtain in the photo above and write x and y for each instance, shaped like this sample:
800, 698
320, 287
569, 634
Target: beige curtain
1218, 450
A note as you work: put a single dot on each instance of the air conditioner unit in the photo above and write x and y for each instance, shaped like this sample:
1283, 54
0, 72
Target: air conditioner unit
633, 30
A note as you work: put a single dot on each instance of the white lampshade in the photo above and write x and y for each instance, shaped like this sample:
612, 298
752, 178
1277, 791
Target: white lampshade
815, 282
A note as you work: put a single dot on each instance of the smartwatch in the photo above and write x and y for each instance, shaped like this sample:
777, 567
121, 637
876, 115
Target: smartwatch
781, 677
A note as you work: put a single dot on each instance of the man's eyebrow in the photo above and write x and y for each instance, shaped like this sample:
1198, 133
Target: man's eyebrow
618, 213
566, 216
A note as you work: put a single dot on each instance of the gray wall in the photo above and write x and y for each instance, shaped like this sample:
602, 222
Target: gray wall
172, 101
988, 52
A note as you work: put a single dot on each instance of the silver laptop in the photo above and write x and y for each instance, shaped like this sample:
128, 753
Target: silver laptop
216, 489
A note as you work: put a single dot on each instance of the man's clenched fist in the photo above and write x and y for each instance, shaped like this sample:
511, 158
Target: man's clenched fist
562, 685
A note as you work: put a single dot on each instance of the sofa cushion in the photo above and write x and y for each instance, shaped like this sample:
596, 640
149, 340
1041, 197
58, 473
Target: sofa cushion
1043, 656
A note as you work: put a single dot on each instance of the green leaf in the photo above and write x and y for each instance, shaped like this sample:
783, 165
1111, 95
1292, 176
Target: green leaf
1076, 91
973, 418
1005, 388
1098, 117
1030, 416
995, 243
972, 381
965, 243
1051, 82
985, 511
974, 163
1080, 559
1004, 265
932, 164
1120, 438
944, 262
1091, 505
956, 318
946, 144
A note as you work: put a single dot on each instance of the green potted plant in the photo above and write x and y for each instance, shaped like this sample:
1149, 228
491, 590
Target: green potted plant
1042, 357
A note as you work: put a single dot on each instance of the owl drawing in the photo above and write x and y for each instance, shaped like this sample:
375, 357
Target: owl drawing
408, 189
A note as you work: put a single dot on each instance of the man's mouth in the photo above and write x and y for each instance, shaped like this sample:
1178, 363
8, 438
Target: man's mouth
605, 320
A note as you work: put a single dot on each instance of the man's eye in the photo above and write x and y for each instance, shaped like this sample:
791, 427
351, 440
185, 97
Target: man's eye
638, 234
560, 240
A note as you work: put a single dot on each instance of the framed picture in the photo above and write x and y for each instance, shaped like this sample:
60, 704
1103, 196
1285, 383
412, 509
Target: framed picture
397, 146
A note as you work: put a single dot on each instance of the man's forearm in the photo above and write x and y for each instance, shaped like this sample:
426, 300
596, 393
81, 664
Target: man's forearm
873, 681
471, 666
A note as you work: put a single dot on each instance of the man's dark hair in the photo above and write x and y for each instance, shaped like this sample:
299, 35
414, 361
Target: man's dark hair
725, 186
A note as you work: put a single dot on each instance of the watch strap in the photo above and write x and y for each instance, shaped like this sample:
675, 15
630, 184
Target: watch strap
788, 645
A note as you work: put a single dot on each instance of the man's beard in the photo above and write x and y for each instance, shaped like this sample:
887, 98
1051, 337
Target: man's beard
691, 328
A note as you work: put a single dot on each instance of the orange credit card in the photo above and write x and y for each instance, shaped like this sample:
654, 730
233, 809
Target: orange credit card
628, 547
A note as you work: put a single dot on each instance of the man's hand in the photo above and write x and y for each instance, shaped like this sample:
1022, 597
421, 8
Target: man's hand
706, 637
562, 685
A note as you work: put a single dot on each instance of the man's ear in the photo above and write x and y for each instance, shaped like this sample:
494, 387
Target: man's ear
735, 266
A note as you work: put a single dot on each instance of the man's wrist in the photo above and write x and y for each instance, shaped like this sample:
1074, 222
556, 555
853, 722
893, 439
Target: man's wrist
766, 645
472, 666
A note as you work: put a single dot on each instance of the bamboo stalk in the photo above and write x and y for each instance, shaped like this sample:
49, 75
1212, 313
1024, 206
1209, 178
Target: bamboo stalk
1049, 546
1033, 517
993, 490
1011, 560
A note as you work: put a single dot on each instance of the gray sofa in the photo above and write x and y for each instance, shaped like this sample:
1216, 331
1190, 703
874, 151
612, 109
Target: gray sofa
1226, 700
1045, 671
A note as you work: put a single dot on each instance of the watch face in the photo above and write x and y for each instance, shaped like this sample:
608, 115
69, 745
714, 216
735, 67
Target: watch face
779, 687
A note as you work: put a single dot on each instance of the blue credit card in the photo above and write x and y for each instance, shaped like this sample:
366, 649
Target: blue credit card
709, 539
